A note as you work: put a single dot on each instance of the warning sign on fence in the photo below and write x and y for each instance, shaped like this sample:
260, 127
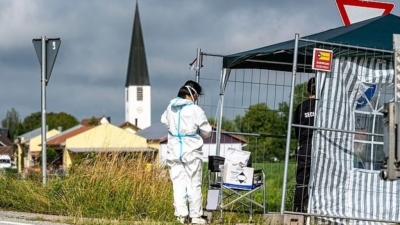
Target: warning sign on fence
322, 59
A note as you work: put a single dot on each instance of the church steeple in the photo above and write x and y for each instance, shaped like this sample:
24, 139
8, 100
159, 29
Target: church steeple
137, 85
137, 65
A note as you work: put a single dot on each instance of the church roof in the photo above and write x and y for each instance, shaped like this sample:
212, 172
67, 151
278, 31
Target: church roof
138, 74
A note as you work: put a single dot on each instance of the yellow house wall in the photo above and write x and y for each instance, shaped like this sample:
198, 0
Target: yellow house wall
106, 136
130, 130
19, 157
35, 143
102, 136
68, 157
154, 145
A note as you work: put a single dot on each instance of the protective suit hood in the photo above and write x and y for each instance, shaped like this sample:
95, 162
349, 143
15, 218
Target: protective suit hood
178, 102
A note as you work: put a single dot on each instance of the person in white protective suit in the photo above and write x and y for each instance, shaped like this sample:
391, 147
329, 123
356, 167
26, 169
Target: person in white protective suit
187, 126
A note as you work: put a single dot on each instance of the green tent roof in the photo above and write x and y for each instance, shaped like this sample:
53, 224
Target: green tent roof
376, 33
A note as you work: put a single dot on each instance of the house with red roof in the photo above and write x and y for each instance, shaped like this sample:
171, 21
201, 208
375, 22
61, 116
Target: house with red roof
157, 137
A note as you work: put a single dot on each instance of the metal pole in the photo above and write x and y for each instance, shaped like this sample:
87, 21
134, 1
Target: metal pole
224, 79
198, 65
44, 167
220, 113
289, 128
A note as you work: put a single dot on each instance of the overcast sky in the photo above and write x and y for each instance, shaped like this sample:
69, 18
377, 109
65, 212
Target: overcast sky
88, 78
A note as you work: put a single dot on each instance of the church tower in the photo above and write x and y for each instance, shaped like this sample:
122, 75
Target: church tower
137, 86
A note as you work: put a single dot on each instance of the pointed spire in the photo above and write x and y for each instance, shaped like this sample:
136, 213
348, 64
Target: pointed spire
138, 74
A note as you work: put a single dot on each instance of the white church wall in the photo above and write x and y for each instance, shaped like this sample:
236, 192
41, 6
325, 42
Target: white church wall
138, 112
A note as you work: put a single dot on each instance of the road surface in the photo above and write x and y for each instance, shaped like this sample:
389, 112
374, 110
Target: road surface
18, 218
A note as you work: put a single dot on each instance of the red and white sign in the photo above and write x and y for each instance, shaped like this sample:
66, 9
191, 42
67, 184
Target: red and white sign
322, 59
353, 11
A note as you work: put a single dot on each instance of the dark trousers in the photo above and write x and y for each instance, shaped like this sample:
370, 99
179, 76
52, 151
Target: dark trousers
300, 201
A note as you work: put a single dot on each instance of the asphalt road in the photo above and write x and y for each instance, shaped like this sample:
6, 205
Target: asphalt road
21, 218
18, 218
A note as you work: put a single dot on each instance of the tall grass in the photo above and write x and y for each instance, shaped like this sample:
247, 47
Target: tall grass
115, 186
112, 186
274, 182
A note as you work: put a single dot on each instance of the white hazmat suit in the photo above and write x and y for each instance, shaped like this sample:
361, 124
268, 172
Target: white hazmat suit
187, 126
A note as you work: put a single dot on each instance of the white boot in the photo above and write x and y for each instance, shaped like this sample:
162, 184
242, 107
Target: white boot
181, 219
199, 220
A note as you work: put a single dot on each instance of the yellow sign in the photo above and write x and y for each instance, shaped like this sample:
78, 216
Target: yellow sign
322, 59
325, 56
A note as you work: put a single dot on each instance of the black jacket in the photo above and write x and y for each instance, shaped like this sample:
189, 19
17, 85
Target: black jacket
304, 115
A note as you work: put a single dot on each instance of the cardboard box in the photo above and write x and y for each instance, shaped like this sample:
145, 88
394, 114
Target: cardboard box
238, 177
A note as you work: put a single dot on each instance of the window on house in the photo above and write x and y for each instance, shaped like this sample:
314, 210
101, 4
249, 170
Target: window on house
127, 95
139, 93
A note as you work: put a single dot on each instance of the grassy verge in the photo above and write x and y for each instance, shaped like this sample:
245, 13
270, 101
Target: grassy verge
114, 187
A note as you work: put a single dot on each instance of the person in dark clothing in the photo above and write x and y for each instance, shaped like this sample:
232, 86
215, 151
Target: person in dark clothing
304, 115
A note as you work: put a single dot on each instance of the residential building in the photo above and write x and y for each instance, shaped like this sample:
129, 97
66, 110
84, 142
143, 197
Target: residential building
6, 146
129, 127
103, 138
28, 147
157, 137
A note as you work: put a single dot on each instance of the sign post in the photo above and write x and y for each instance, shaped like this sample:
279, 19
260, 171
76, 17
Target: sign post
46, 50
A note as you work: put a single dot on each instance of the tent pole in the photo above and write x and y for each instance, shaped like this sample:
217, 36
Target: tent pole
289, 127
224, 80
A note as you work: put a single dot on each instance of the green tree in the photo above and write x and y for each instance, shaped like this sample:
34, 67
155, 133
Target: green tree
271, 126
53, 121
227, 125
283, 124
300, 94
32, 121
51, 156
260, 120
62, 119
93, 121
12, 122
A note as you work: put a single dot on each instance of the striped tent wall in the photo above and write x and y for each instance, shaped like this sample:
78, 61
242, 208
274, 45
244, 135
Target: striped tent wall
337, 188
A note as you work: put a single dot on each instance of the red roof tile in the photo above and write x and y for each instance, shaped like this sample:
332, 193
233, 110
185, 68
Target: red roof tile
128, 124
59, 139
9, 150
6, 141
